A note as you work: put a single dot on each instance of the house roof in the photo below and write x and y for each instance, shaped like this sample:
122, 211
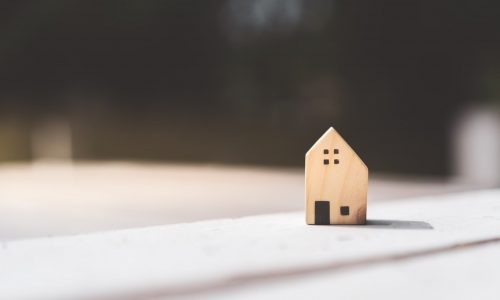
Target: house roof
329, 133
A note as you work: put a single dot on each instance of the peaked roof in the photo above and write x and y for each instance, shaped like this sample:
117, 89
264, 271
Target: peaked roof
329, 133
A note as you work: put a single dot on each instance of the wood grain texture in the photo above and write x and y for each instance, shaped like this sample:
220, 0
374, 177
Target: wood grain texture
252, 257
335, 173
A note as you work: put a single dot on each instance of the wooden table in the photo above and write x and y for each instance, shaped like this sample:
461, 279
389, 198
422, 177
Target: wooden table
47, 199
444, 246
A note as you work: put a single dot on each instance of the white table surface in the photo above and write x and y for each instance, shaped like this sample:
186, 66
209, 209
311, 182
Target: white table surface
445, 247
49, 199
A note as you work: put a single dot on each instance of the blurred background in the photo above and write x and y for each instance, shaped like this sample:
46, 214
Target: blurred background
244, 82
414, 86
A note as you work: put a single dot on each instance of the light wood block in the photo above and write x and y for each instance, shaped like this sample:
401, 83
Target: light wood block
336, 182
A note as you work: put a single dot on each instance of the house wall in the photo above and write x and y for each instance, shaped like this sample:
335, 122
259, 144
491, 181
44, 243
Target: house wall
343, 184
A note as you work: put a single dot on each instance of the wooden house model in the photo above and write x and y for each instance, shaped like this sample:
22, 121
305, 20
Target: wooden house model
336, 182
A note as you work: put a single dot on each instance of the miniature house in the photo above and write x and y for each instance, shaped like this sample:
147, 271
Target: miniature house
336, 182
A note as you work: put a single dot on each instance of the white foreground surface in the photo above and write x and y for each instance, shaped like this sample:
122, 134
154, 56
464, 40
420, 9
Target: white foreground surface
47, 199
421, 248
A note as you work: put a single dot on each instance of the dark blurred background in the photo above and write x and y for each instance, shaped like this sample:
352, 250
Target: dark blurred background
244, 81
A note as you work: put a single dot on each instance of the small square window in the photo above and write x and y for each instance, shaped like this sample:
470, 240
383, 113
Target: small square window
335, 151
326, 161
344, 210
336, 161
325, 151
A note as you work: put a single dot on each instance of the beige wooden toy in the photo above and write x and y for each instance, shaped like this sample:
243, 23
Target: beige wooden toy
336, 182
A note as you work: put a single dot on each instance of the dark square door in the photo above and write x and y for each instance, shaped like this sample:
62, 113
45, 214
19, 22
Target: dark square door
322, 212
